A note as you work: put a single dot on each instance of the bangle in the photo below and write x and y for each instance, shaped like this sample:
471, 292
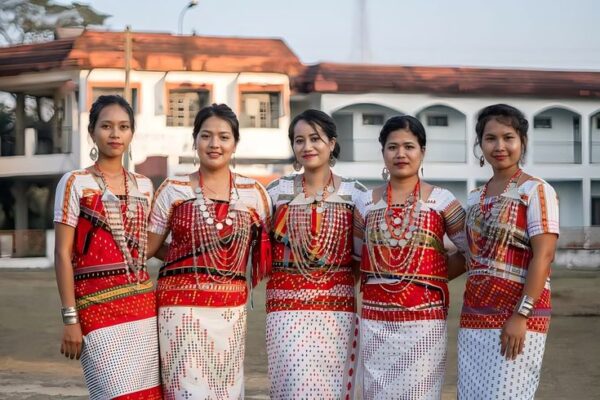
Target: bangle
525, 306
69, 315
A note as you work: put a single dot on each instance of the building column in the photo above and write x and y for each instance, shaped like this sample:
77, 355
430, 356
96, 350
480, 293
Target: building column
585, 138
470, 140
20, 125
586, 196
530, 141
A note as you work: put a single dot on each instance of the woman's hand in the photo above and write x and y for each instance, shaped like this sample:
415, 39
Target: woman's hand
512, 336
72, 341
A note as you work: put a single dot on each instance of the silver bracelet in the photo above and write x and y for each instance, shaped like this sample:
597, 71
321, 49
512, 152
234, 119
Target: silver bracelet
525, 306
69, 315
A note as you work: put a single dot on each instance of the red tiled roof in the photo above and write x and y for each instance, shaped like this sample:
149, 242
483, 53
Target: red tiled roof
153, 52
362, 78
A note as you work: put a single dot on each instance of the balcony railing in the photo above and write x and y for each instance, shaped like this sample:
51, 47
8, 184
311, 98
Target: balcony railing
23, 243
557, 152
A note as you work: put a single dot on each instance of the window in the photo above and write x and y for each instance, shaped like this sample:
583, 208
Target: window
260, 109
437, 120
372, 119
596, 211
542, 123
184, 104
98, 91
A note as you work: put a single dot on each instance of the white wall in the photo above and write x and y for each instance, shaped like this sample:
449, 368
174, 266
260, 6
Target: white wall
445, 143
154, 138
594, 139
557, 144
569, 196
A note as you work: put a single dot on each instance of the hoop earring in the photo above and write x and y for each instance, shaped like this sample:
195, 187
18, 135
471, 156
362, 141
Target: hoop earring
422, 173
94, 153
297, 166
481, 161
385, 174
332, 160
233, 161
129, 153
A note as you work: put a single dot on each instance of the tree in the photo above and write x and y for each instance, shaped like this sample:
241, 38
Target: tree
31, 21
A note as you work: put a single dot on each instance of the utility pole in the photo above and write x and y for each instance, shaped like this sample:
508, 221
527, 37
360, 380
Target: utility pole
128, 53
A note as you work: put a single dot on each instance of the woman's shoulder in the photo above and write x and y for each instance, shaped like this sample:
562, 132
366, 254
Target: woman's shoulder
76, 179
282, 185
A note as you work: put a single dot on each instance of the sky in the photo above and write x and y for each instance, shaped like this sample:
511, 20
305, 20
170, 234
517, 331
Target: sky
541, 34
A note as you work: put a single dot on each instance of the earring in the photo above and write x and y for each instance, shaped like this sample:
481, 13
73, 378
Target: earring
233, 161
94, 153
422, 173
195, 154
385, 174
332, 160
481, 161
129, 153
297, 166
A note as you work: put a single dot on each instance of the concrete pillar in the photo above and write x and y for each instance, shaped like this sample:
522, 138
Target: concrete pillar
586, 196
20, 125
585, 138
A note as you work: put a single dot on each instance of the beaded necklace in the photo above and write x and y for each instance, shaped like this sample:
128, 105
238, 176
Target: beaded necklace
133, 220
497, 225
316, 231
223, 253
383, 230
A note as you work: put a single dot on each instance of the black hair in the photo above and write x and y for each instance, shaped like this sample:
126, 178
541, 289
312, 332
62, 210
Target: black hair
403, 122
221, 111
506, 115
108, 100
314, 118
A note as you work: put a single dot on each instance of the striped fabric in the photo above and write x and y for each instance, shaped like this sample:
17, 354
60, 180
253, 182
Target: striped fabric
117, 313
312, 327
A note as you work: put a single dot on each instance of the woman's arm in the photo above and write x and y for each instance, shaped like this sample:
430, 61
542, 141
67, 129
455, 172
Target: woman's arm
72, 337
512, 337
155, 245
456, 265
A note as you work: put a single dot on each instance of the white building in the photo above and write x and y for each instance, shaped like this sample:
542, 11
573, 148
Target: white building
48, 89
562, 107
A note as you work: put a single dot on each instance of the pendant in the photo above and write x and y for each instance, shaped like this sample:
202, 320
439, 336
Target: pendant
205, 214
397, 221
397, 232
198, 190
210, 221
401, 242
228, 221
203, 207
219, 226
393, 242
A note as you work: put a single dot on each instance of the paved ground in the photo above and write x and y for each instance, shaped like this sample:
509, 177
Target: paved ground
31, 366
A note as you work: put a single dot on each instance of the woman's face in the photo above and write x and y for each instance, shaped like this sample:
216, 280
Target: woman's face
501, 145
112, 132
402, 154
215, 143
312, 148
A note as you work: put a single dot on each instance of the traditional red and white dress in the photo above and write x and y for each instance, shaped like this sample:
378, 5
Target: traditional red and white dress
114, 295
202, 286
499, 230
312, 326
405, 294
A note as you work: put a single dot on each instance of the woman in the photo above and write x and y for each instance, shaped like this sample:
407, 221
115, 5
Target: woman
312, 329
109, 305
216, 218
405, 271
512, 229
